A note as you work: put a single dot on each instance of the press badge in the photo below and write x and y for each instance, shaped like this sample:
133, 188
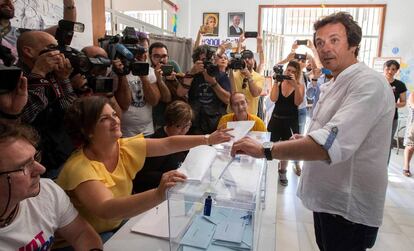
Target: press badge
331, 138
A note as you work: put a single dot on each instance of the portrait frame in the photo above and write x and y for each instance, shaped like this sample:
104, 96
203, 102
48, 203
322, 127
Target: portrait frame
216, 16
231, 32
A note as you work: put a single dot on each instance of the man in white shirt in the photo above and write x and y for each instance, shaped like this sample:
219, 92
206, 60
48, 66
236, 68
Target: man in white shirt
32, 209
344, 176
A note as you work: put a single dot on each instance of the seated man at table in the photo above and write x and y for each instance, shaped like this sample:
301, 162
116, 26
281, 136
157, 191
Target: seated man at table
238, 104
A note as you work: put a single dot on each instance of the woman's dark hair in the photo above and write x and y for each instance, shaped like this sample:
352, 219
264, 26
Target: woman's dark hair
353, 30
10, 130
392, 62
82, 116
295, 65
178, 112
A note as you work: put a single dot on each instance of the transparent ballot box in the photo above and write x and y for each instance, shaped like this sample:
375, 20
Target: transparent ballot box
222, 209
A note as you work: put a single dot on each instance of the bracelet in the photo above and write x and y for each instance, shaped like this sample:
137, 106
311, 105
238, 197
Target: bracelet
213, 85
314, 79
71, 7
9, 116
206, 137
95, 249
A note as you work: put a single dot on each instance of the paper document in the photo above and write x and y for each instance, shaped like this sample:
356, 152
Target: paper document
240, 128
197, 162
154, 222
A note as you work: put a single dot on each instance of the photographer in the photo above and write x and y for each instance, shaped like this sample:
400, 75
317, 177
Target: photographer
120, 95
10, 33
145, 95
158, 54
287, 93
248, 82
50, 94
208, 88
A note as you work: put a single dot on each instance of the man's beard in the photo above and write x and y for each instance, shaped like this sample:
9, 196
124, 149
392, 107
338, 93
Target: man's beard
6, 13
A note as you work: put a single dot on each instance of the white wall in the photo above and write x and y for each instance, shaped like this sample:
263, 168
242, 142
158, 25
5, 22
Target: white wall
397, 33
84, 15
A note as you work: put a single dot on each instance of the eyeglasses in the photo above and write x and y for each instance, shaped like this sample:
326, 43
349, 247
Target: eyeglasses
28, 167
158, 56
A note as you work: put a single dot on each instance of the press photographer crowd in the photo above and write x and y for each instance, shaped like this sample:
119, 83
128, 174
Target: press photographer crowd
92, 137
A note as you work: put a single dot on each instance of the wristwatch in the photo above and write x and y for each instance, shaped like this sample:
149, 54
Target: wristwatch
267, 148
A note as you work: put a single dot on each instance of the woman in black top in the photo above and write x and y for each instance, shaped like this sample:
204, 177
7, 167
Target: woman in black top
287, 95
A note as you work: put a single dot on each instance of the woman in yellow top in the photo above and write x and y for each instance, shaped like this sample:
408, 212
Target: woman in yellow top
238, 104
98, 176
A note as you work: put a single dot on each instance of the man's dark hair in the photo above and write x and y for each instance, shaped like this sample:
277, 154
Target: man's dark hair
156, 45
353, 30
392, 62
14, 130
202, 49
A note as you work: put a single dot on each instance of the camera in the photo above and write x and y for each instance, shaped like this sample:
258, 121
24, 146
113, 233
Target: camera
248, 34
278, 76
300, 56
139, 68
6, 55
211, 68
101, 84
302, 42
167, 69
10, 77
236, 62
124, 48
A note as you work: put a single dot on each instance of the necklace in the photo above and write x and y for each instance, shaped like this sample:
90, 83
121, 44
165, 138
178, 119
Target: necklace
8, 220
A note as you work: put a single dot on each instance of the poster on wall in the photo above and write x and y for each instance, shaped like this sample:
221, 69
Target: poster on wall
211, 23
37, 14
235, 24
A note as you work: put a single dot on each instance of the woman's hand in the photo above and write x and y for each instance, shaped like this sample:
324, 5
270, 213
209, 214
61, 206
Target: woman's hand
168, 180
219, 136
292, 81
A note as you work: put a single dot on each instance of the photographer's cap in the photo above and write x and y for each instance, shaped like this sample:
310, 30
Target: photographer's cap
247, 54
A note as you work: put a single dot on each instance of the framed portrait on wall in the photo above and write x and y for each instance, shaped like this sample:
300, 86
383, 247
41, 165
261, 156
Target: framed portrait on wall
235, 24
211, 23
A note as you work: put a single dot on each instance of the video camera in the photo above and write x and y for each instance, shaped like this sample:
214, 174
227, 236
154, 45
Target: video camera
236, 61
125, 48
211, 68
278, 76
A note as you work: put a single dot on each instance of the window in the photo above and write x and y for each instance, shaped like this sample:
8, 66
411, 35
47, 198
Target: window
282, 25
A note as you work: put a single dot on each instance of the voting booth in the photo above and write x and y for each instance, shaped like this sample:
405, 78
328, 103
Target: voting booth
219, 207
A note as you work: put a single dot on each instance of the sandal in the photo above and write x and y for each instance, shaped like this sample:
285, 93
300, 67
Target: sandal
297, 169
406, 173
282, 178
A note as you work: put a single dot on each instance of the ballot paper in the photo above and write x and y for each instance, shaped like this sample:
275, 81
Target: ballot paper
154, 222
199, 234
240, 128
197, 162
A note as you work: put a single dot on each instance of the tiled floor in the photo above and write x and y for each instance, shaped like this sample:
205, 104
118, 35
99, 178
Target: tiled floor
295, 223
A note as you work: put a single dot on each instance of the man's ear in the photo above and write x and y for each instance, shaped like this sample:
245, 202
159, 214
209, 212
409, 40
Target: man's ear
28, 52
